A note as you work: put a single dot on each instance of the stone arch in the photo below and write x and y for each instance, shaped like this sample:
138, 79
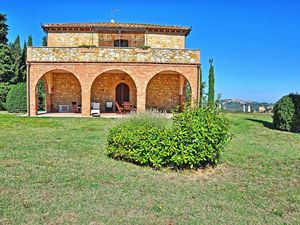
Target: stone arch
166, 90
61, 88
103, 88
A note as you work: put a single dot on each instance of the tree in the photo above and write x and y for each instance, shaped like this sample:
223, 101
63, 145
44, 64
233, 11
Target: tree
29, 41
23, 63
44, 41
4, 89
3, 29
211, 85
17, 57
7, 72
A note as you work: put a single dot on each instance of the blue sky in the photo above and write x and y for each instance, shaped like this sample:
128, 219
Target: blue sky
255, 44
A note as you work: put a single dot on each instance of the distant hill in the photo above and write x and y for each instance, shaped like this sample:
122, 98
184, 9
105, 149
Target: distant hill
239, 105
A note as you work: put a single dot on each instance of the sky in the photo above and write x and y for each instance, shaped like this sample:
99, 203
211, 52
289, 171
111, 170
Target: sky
255, 44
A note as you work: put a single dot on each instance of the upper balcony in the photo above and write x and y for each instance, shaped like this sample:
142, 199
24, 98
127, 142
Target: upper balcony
113, 55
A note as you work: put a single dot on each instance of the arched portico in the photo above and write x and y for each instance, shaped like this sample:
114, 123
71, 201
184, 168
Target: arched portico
167, 90
110, 86
91, 78
62, 92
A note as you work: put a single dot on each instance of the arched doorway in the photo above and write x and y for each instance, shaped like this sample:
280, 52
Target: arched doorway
111, 86
58, 91
122, 93
168, 90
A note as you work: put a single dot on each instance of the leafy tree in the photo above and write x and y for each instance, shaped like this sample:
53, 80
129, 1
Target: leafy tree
7, 72
211, 85
3, 29
44, 41
29, 41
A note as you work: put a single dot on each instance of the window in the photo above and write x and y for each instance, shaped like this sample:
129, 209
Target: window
121, 43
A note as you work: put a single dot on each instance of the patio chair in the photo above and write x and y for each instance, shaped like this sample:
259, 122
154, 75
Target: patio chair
127, 107
96, 109
74, 107
109, 106
119, 108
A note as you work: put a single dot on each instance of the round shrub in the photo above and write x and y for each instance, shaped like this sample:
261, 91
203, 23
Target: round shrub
194, 138
287, 113
16, 98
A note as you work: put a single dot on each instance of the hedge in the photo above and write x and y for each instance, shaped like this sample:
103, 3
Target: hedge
16, 98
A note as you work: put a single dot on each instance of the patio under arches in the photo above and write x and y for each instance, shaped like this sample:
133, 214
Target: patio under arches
168, 90
58, 91
113, 86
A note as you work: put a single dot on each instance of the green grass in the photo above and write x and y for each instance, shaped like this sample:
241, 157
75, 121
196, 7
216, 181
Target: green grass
55, 171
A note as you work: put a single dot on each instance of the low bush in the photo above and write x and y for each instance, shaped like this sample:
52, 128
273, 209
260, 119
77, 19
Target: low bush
16, 98
194, 138
287, 113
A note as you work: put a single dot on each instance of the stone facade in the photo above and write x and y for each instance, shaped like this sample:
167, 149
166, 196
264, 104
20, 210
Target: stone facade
163, 92
165, 41
134, 40
107, 40
66, 89
127, 55
156, 76
71, 39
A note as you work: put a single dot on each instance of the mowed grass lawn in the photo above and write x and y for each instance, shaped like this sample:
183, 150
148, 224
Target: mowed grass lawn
55, 171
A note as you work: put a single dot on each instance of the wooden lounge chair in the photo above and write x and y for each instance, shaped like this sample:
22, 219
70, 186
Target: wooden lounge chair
96, 109
119, 108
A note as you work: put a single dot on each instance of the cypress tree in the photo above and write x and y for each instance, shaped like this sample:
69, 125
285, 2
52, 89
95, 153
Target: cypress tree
17, 57
211, 85
44, 41
23, 63
3, 29
6, 59
29, 41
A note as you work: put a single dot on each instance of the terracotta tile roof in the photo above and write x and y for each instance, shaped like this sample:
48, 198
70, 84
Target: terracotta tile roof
115, 25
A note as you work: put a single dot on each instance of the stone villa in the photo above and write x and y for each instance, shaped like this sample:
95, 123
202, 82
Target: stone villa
147, 65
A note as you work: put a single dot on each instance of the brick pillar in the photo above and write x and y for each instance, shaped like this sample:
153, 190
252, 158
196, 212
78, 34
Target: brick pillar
86, 101
194, 87
32, 95
141, 99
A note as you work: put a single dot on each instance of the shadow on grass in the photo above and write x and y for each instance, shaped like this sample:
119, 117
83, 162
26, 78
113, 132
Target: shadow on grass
264, 123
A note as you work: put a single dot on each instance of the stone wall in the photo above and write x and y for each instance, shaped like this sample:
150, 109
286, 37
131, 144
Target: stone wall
104, 88
134, 40
113, 55
107, 39
65, 90
71, 39
165, 41
163, 92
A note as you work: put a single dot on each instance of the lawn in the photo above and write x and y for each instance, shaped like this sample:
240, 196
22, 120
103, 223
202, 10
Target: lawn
55, 171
